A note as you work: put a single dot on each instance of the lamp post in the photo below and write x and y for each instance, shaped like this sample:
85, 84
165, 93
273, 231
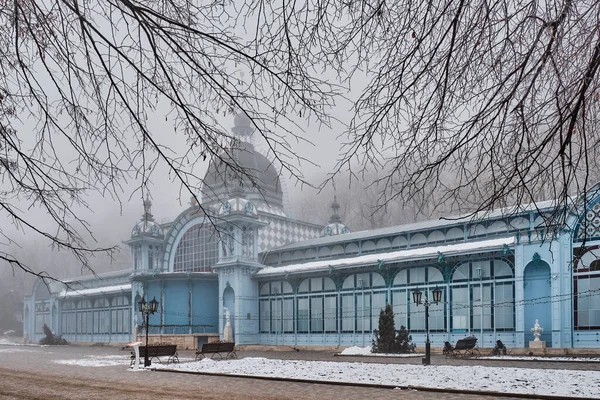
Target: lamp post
147, 308
437, 296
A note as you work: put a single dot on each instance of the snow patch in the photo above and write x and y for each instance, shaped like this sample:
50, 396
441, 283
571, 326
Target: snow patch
366, 351
499, 379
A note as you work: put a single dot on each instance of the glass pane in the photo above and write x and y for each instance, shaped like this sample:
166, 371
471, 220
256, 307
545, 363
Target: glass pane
288, 315
330, 310
399, 306
303, 315
504, 306
348, 313
316, 314
378, 306
460, 309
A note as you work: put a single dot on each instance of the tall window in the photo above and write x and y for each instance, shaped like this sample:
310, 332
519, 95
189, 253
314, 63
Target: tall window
586, 284
482, 297
137, 257
197, 250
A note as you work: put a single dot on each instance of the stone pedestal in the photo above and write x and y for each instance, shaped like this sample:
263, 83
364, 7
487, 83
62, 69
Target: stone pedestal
228, 333
537, 344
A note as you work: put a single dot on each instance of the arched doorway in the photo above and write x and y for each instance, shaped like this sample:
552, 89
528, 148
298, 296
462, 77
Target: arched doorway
229, 303
537, 293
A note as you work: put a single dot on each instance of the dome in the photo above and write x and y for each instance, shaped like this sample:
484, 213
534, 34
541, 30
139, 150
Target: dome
147, 225
335, 226
150, 228
221, 180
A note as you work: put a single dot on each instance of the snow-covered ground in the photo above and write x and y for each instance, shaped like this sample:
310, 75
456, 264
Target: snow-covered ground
9, 342
97, 361
534, 358
500, 379
366, 351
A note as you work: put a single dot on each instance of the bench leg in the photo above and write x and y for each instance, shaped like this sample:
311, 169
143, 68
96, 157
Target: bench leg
216, 354
231, 355
199, 356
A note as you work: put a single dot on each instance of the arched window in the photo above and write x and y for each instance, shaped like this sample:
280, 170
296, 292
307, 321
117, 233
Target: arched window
197, 250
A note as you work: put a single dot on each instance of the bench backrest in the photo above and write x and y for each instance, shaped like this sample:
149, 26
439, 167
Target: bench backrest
159, 350
217, 347
466, 343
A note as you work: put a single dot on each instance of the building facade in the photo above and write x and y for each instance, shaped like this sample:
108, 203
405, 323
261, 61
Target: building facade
288, 282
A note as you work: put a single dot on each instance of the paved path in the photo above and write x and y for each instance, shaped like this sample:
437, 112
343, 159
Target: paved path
31, 373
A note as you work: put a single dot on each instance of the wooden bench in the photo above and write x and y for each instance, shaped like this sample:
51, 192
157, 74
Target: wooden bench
157, 351
463, 348
217, 348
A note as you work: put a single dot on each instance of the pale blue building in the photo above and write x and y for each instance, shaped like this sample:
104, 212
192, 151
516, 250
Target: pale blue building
288, 282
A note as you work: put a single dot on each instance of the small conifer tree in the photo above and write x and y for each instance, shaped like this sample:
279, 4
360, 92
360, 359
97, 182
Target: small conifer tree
404, 342
384, 341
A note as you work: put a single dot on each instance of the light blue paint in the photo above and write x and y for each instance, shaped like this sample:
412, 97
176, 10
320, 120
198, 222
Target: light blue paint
537, 296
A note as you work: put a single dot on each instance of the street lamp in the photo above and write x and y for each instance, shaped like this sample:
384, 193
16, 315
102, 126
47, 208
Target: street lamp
437, 296
147, 309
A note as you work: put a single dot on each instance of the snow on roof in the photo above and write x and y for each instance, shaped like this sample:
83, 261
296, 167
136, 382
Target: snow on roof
95, 291
402, 255
423, 225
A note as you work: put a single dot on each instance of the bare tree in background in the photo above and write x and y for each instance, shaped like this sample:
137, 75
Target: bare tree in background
81, 82
500, 96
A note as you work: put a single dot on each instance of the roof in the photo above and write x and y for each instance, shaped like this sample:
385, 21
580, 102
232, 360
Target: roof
421, 226
415, 254
95, 291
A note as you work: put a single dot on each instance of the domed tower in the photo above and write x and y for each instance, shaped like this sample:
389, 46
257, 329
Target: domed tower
259, 183
335, 226
146, 242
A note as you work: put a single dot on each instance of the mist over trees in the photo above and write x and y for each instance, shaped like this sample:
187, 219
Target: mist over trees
97, 97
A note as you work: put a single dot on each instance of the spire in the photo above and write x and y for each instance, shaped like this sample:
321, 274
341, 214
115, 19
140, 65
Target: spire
335, 206
335, 226
242, 126
147, 216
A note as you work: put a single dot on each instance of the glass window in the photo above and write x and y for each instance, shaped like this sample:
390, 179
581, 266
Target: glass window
416, 316
348, 313
316, 284
330, 314
276, 315
265, 316
437, 317
502, 269
304, 286
400, 278
587, 302
288, 315
328, 285
434, 275
378, 280
303, 315
399, 306
378, 305
417, 276
504, 306
482, 306
197, 250
460, 308
363, 311
461, 273
316, 314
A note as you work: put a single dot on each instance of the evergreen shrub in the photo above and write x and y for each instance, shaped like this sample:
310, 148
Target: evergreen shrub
51, 338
